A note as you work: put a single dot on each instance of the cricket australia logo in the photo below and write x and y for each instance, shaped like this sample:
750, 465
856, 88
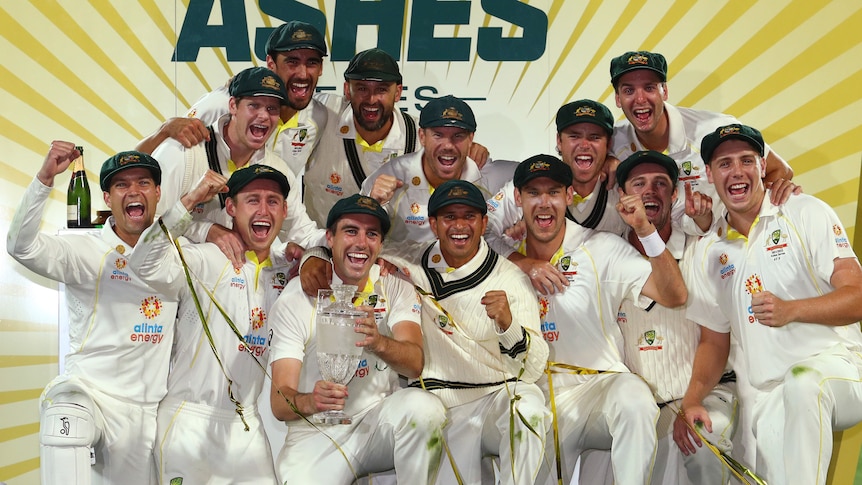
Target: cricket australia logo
775, 236
686, 167
565, 263
649, 336
443, 323
650, 340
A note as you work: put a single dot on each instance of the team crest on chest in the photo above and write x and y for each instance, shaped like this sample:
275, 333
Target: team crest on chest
568, 267
279, 280
776, 244
689, 172
443, 324
650, 340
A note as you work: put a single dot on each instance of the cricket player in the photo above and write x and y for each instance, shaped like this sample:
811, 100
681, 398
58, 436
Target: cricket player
209, 430
98, 418
785, 281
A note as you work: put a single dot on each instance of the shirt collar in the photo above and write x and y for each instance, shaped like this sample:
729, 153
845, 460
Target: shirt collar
437, 262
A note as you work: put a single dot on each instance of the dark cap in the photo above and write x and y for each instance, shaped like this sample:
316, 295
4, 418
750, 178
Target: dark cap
358, 204
723, 133
447, 111
124, 160
246, 175
373, 65
647, 156
456, 192
295, 35
585, 111
638, 60
542, 166
257, 81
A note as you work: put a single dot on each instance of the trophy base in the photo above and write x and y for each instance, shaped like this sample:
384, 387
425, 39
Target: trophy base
331, 417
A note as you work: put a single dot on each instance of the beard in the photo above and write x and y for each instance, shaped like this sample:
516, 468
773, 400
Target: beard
386, 115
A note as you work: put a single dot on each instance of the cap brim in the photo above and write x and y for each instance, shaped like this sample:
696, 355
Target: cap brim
301, 46
661, 75
374, 76
449, 124
608, 130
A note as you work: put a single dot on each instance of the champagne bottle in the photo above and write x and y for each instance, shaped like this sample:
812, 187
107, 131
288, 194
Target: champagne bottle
78, 195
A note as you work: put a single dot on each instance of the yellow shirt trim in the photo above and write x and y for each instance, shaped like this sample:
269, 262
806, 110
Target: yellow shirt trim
293, 122
377, 147
734, 234
252, 256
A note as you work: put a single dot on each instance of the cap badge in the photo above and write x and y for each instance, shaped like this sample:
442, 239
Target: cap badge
258, 168
126, 159
585, 111
638, 59
540, 165
366, 202
300, 35
457, 192
270, 82
372, 65
728, 130
452, 114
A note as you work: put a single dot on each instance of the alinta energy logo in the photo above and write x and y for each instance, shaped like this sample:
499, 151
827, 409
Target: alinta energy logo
253, 342
117, 274
151, 307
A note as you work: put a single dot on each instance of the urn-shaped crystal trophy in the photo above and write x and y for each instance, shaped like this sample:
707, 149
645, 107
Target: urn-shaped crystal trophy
337, 353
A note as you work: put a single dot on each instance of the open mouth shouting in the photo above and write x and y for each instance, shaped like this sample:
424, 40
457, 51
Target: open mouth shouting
259, 130
135, 211
652, 209
738, 191
584, 162
299, 89
642, 115
260, 229
371, 113
544, 221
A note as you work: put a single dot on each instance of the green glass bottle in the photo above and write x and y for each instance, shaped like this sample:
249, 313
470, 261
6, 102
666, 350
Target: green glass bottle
78, 195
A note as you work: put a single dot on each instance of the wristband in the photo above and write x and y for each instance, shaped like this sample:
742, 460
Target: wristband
653, 244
